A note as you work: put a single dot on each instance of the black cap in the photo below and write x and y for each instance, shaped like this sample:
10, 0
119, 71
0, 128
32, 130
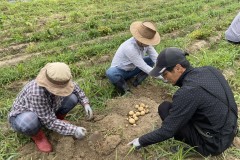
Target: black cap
169, 57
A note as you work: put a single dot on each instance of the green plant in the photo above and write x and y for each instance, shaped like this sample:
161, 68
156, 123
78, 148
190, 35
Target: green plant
104, 30
97, 28
132, 149
76, 17
200, 34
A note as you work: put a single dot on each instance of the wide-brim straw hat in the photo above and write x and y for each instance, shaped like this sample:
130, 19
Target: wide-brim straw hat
145, 32
56, 78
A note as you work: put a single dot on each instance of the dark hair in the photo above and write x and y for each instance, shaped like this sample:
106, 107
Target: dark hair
184, 64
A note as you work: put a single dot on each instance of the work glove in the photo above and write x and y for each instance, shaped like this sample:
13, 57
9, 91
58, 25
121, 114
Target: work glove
80, 132
89, 112
135, 143
161, 78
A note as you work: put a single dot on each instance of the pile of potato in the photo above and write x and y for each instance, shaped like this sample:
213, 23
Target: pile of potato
134, 115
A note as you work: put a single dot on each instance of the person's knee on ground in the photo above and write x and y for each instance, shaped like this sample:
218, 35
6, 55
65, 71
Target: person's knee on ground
117, 80
191, 137
27, 123
110, 74
122, 86
163, 109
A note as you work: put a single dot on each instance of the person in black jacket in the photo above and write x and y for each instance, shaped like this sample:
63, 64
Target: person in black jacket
203, 112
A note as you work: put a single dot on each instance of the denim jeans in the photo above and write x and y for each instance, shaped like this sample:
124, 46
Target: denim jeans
114, 74
28, 123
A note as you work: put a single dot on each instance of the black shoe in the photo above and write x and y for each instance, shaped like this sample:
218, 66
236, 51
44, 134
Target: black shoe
122, 86
135, 83
139, 78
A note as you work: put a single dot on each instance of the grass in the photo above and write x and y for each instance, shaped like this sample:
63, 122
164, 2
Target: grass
131, 150
75, 32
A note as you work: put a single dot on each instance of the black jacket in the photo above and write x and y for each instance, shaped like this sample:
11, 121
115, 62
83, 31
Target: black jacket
202, 99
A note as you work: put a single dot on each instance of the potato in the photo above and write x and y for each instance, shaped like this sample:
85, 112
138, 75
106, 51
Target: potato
147, 111
142, 105
131, 121
138, 113
146, 106
142, 113
135, 118
140, 108
131, 113
136, 106
134, 115
134, 125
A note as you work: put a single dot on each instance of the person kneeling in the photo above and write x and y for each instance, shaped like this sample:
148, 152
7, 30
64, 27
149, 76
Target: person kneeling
45, 101
203, 112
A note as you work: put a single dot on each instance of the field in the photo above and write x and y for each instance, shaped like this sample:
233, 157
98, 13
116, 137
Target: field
85, 34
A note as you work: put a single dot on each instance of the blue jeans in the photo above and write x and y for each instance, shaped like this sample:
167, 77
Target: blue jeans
28, 123
114, 74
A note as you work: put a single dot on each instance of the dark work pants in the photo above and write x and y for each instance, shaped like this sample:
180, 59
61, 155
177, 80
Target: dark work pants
234, 42
187, 134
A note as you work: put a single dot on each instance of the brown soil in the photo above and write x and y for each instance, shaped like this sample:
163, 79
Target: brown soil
109, 132
15, 59
198, 45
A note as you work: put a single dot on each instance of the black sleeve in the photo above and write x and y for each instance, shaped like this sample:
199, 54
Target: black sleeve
183, 107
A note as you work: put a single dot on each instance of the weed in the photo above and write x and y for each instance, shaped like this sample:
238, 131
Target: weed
132, 149
200, 34
97, 28
76, 17
104, 30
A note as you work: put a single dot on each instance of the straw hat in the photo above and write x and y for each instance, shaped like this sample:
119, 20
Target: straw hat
145, 32
56, 78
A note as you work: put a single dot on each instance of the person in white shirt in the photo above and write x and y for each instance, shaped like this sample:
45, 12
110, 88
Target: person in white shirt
232, 34
135, 57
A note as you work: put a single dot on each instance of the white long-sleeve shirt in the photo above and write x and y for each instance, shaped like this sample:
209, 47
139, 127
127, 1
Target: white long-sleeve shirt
233, 32
130, 55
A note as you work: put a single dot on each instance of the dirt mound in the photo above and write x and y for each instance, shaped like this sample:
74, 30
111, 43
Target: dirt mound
108, 134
